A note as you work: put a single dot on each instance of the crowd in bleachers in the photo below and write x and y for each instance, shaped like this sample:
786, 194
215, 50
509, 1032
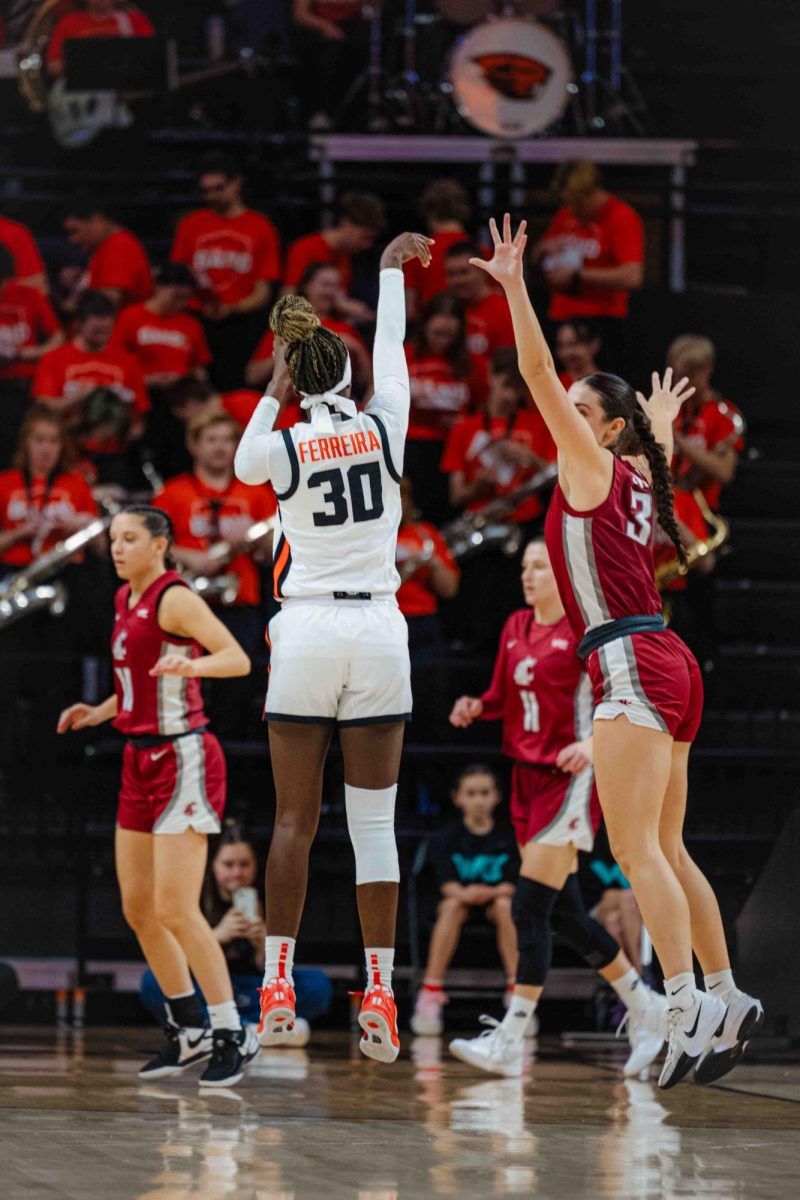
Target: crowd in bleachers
125, 377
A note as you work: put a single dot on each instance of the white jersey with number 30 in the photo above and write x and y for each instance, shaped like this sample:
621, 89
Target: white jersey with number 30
339, 494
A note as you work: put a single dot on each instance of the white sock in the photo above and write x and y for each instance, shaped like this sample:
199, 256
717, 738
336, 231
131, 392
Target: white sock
720, 983
632, 990
518, 1015
680, 991
278, 958
380, 964
225, 1015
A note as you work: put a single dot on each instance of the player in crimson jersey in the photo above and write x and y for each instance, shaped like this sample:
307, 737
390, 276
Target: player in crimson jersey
614, 449
172, 793
542, 694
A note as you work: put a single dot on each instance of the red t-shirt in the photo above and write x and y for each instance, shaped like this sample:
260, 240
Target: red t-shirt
265, 347
18, 240
715, 423
416, 596
428, 281
242, 404
337, 10
438, 398
68, 495
82, 24
121, 262
613, 237
489, 325
312, 249
187, 501
62, 371
228, 255
26, 319
478, 442
161, 344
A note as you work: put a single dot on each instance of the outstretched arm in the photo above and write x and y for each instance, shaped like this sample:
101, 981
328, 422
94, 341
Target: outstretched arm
585, 465
252, 462
388, 356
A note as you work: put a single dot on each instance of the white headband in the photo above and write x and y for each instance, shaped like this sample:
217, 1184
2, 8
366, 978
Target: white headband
320, 404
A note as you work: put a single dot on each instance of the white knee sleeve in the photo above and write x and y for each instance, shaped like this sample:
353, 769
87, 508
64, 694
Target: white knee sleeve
370, 822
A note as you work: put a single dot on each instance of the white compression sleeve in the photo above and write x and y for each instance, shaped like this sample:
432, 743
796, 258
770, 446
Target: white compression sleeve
388, 355
370, 823
251, 463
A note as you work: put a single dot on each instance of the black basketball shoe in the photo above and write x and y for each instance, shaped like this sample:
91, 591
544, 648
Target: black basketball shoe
184, 1048
233, 1050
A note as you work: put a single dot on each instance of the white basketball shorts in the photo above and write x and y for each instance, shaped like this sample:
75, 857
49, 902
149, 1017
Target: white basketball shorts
342, 661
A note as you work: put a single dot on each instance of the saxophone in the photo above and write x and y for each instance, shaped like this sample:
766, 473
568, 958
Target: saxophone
719, 532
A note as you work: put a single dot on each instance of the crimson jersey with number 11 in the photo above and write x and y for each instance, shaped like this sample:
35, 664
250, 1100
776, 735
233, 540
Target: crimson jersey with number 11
603, 558
148, 705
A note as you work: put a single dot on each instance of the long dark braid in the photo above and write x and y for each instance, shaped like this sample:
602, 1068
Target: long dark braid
315, 357
618, 399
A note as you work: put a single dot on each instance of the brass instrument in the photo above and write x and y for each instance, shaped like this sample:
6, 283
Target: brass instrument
719, 532
225, 588
474, 532
27, 590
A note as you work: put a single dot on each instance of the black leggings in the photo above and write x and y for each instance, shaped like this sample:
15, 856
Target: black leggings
540, 912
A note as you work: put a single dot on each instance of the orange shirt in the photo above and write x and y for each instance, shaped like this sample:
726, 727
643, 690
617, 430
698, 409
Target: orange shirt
64, 371
479, 442
613, 237
312, 249
191, 504
438, 397
416, 596
18, 240
161, 344
242, 404
26, 319
82, 24
228, 254
67, 495
121, 262
489, 326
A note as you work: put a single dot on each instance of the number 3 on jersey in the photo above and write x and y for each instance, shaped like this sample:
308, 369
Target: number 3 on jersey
358, 476
640, 527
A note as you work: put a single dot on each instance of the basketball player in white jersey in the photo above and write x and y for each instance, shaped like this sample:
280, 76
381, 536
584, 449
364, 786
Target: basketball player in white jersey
340, 643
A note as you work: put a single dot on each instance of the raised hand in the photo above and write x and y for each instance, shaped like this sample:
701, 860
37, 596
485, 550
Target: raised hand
405, 247
506, 264
666, 398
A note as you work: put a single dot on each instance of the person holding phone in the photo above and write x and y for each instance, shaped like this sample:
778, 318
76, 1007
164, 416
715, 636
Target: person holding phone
231, 905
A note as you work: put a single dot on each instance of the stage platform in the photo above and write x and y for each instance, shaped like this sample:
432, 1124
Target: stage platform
328, 1125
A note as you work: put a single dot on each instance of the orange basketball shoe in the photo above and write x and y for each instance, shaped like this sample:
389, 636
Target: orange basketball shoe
378, 1019
277, 1013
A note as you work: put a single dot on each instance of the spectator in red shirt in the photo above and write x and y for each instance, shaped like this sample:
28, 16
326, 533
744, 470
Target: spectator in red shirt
168, 342
489, 326
577, 346
428, 574
67, 375
361, 220
321, 284
234, 253
95, 18
446, 382
446, 210
28, 264
488, 456
42, 497
28, 329
118, 263
592, 255
209, 505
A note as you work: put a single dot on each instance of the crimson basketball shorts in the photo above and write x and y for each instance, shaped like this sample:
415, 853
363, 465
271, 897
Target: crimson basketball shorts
553, 808
172, 786
652, 679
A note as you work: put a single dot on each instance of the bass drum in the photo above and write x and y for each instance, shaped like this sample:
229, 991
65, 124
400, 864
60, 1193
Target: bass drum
510, 77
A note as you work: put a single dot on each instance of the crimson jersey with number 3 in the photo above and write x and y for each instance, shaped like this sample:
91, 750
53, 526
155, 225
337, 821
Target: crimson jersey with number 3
539, 690
148, 705
603, 558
